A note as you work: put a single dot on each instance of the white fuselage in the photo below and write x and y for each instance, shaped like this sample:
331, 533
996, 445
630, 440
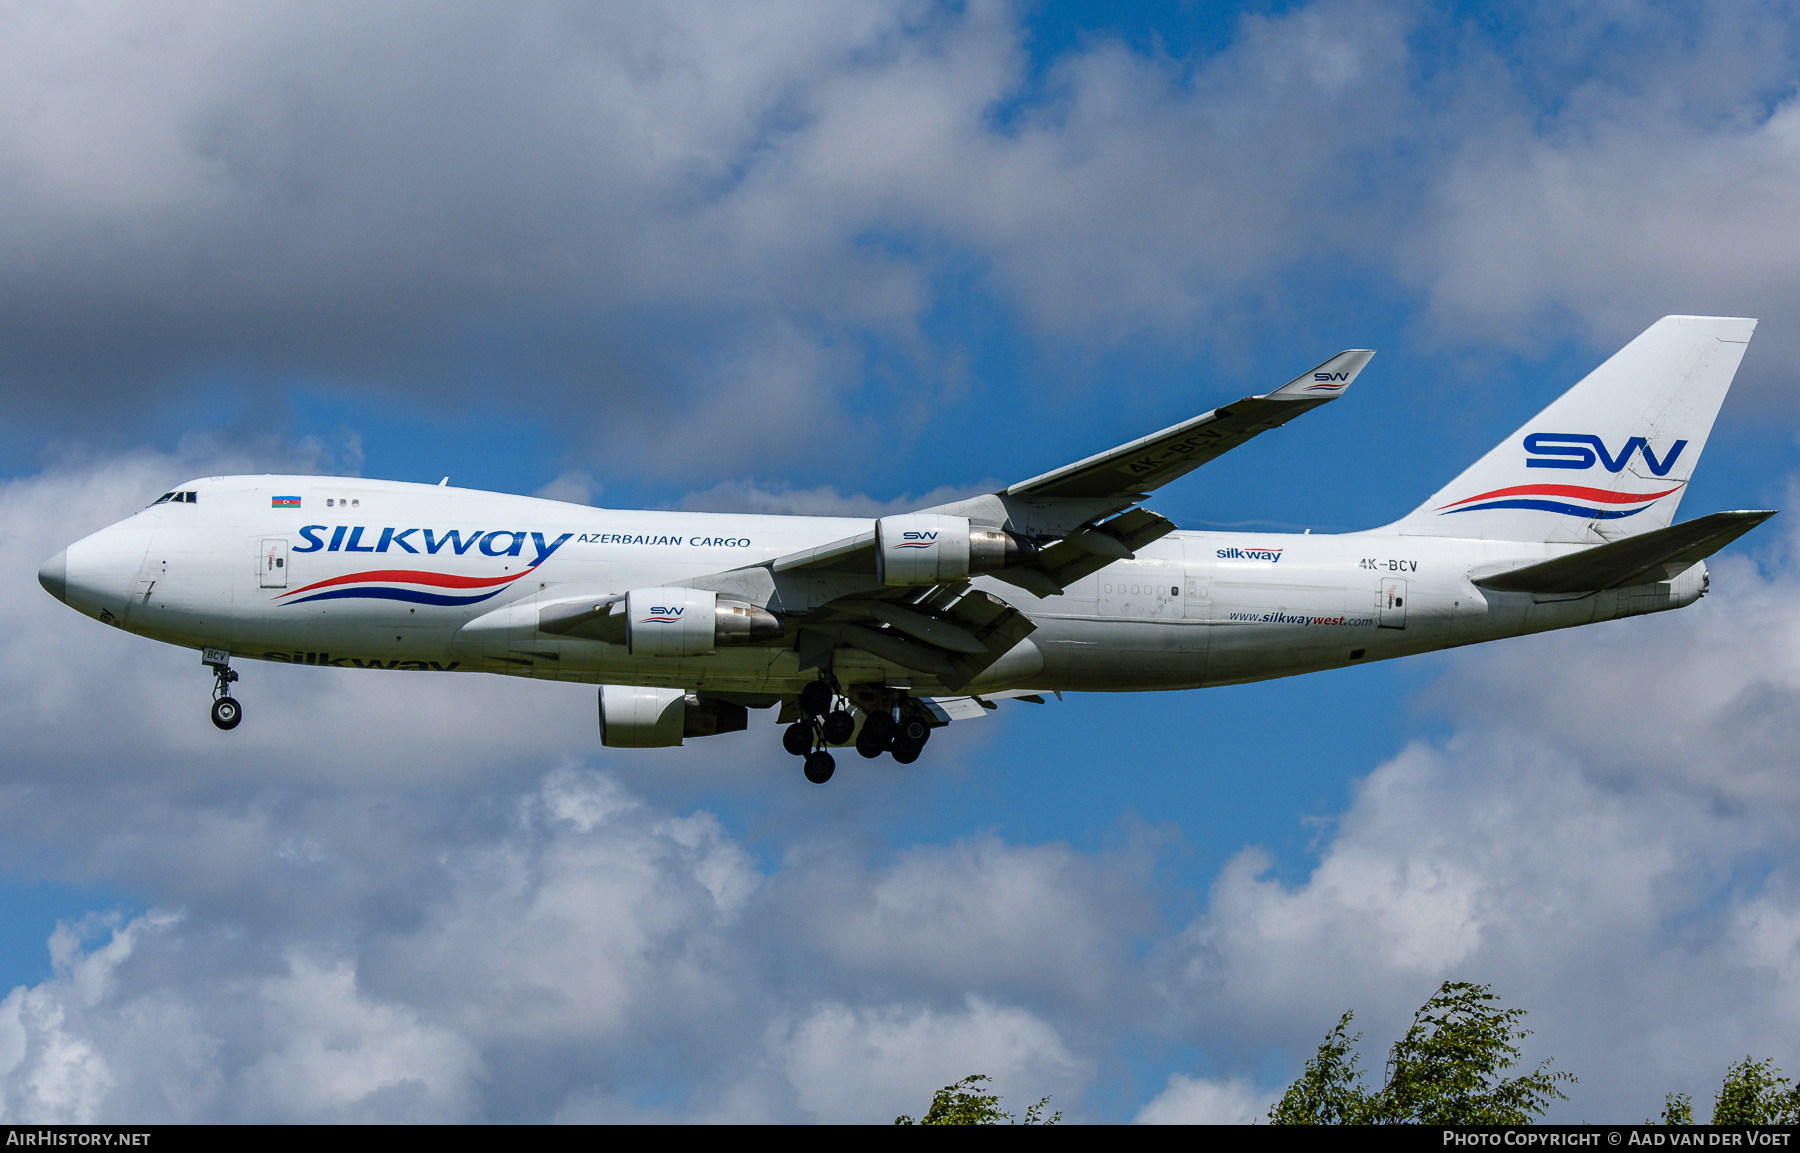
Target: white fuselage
443, 574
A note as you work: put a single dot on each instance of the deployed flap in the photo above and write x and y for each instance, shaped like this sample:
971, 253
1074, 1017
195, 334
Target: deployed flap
1651, 556
1086, 552
947, 709
1133, 470
971, 619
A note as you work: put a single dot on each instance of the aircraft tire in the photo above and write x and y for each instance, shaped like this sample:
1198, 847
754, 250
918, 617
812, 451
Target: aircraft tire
838, 726
905, 752
914, 731
815, 698
798, 739
226, 713
872, 744
881, 724
819, 767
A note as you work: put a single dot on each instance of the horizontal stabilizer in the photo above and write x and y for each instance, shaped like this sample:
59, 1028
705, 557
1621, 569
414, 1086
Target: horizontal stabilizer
1651, 556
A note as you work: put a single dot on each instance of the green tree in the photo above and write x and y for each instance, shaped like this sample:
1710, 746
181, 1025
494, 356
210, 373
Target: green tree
1678, 1109
962, 1104
1447, 1070
1754, 1093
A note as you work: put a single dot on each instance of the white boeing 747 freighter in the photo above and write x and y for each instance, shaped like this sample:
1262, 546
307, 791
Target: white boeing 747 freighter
874, 632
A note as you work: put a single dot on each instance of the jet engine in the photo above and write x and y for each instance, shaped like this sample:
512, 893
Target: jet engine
684, 622
635, 717
926, 548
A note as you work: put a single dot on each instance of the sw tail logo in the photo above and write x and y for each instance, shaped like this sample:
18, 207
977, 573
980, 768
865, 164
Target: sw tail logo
1584, 449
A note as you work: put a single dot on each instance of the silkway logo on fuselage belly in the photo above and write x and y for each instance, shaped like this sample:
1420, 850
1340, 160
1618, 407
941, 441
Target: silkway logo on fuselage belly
1578, 450
418, 586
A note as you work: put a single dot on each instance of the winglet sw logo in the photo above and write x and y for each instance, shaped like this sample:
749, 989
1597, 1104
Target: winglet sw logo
1328, 382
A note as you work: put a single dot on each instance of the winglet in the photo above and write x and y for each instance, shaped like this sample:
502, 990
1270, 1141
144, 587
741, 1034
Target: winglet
1328, 381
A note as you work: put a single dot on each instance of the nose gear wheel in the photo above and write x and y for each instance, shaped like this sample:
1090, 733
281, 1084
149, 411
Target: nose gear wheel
226, 711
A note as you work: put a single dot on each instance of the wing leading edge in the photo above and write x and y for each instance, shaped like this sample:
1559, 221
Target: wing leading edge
1131, 471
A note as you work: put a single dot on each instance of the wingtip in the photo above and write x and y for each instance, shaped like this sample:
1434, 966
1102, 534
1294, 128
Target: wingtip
1328, 380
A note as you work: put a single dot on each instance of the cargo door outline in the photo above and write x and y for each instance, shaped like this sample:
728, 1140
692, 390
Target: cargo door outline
272, 566
1391, 605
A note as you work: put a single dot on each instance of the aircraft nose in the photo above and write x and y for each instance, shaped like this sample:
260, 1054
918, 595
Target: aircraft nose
54, 575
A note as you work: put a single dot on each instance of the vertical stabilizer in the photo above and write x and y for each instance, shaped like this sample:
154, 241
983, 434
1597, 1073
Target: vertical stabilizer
1608, 459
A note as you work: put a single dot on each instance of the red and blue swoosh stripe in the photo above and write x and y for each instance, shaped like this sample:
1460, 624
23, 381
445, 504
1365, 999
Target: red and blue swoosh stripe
386, 585
1601, 504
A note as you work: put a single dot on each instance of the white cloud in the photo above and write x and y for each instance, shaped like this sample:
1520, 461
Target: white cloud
1615, 853
1199, 1101
873, 1065
573, 486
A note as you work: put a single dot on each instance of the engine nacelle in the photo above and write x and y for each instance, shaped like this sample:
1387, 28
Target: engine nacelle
635, 717
921, 548
683, 622
670, 622
928, 548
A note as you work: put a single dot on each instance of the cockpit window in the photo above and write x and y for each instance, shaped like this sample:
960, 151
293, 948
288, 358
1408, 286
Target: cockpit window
164, 498
176, 498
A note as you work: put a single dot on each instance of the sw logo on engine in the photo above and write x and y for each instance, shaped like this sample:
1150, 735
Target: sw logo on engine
1583, 449
917, 540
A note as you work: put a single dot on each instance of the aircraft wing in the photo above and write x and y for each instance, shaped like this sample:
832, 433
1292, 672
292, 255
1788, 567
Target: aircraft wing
1651, 556
952, 631
1129, 472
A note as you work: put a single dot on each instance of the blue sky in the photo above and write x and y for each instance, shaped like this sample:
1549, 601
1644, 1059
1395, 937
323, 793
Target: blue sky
833, 258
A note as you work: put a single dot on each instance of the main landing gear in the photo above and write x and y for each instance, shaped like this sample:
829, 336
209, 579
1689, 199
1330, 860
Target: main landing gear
226, 712
891, 724
822, 724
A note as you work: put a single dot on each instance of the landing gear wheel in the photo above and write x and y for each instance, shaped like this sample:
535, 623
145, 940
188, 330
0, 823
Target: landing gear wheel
905, 752
798, 739
815, 698
881, 724
819, 767
913, 731
838, 726
226, 713
871, 742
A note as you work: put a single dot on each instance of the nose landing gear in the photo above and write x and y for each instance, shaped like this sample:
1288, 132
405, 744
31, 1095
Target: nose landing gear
226, 712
